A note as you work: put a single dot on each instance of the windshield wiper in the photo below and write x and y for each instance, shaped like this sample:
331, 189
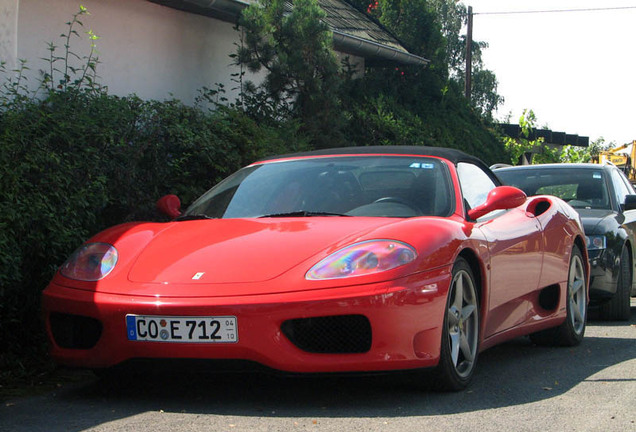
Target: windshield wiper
196, 216
301, 213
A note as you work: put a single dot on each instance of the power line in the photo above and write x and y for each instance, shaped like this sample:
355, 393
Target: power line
556, 11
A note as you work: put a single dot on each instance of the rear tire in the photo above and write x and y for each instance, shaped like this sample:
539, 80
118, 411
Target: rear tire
571, 332
618, 308
460, 333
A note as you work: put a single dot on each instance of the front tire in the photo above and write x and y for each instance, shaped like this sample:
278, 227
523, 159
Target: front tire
460, 333
571, 332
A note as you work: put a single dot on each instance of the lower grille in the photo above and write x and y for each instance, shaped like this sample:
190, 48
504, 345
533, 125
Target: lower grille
75, 331
338, 334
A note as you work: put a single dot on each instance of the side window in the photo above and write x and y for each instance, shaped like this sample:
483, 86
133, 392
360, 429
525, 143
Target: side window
628, 185
475, 183
620, 188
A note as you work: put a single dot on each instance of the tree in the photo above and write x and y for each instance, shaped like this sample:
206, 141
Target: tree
596, 147
522, 145
454, 16
394, 104
572, 154
294, 47
586, 154
541, 152
433, 29
417, 25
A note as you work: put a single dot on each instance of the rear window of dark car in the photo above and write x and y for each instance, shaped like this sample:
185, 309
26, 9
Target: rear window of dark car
581, 188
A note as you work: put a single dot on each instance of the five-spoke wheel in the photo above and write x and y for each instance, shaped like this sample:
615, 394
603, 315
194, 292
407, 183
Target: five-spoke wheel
577, 294
460, 334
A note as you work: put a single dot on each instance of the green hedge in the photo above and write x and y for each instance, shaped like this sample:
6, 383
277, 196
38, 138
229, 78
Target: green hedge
411, 106
79, 161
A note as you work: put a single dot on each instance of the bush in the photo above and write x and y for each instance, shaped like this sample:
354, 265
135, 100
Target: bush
80, 161
407, 107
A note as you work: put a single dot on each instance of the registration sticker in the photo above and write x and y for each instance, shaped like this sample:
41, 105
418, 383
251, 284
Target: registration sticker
422, 165
182, 329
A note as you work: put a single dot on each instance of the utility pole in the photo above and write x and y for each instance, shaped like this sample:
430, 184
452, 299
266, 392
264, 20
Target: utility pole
469, 54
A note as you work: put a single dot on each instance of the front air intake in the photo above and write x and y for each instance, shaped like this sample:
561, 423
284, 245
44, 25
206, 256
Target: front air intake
338, 334
75, 331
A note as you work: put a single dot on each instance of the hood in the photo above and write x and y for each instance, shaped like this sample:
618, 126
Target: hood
230, 251
592, 218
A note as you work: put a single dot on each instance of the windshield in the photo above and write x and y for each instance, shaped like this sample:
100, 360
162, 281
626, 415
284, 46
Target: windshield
386, 186
581, 188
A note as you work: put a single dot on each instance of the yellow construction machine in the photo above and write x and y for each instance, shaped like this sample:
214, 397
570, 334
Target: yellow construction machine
625, 161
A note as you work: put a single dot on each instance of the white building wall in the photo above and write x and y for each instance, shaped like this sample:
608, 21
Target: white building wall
9, 33
144, 48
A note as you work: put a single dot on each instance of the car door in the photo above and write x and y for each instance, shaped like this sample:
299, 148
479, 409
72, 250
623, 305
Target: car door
515, 243
626, 217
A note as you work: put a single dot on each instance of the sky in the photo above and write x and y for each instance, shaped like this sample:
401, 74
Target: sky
575, 70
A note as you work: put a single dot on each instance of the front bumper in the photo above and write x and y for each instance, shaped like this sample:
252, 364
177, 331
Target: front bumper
405, 318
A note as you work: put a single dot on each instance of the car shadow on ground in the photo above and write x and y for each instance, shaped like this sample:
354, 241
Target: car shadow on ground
514, 373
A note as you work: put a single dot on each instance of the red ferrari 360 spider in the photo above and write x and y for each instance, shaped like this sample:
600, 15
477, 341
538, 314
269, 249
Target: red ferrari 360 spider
346, 260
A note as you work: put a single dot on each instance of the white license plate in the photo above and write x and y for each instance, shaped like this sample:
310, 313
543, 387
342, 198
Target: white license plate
189, 329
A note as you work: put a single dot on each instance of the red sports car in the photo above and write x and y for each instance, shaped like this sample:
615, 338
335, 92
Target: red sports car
343, 260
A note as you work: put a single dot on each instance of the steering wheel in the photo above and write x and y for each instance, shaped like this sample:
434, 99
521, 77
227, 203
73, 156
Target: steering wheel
398, 200
579, 203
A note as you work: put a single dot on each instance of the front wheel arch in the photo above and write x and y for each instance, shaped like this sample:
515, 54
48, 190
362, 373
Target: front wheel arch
478, 273
628, 246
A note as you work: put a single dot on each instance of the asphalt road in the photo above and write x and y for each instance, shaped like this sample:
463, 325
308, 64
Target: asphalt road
517, 387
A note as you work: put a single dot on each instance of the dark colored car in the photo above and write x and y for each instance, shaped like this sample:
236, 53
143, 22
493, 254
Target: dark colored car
606, 201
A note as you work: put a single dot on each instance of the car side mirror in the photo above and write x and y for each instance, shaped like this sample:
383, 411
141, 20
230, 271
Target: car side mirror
170, 205
630, 203
500, 198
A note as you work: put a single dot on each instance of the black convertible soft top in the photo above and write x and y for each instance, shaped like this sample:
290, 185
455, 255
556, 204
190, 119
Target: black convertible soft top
452, 155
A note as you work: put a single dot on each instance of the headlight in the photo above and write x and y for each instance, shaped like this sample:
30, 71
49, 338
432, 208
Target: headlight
91, 262
596, 242
362, 259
